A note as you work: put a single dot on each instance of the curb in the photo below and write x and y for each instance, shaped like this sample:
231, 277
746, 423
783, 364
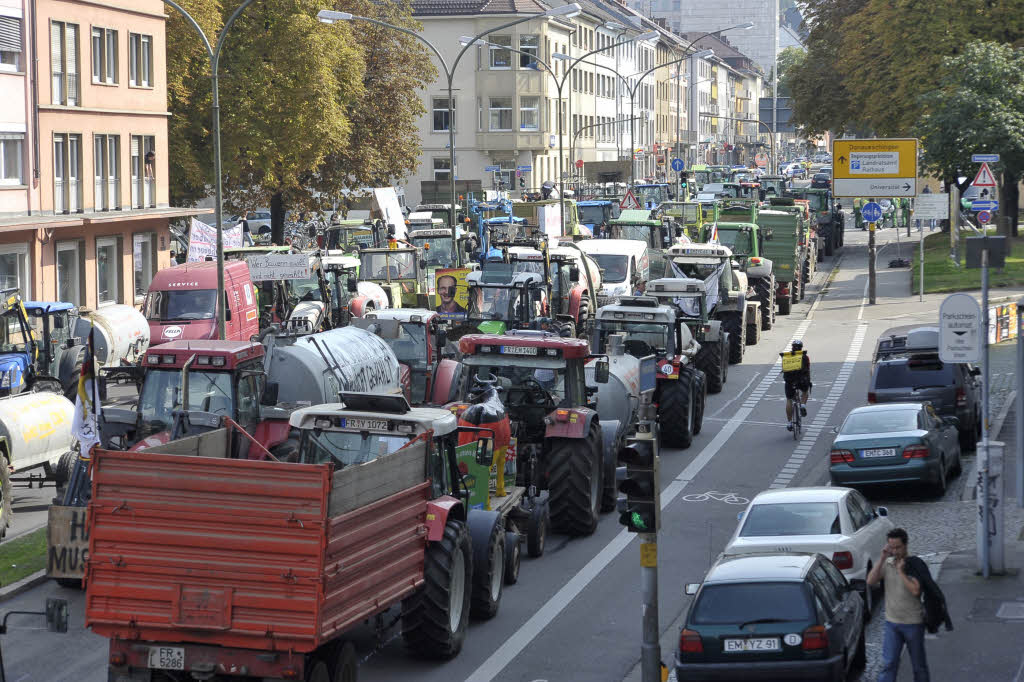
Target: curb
23, 585
997, 426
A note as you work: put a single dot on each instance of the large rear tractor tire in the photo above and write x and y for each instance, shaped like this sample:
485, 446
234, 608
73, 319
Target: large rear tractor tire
733, 324
765, 290
676, 413
487, 532
754, 328
574, 485
700, 394
709, 361
346, 664
435, 617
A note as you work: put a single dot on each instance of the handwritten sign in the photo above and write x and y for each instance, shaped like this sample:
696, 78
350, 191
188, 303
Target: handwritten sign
67, 541
202, 240
278, 266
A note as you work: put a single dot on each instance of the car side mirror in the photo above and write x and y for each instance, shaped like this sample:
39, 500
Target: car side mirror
602, 371
739, 516
442, 339
835, 430
882, 511
352, 285
227, 314
423, 264
691, 588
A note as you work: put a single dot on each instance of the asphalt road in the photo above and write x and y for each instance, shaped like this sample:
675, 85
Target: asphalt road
575, 613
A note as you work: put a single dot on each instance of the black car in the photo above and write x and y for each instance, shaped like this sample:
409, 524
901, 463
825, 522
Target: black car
783, 616
821, 181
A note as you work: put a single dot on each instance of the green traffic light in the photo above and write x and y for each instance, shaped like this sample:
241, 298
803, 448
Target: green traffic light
638, 521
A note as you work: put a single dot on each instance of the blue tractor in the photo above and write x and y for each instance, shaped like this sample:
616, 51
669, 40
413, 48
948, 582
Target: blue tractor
596, 212
20, 370
61, 342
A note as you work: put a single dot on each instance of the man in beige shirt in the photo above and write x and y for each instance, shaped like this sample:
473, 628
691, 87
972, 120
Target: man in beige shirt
904, 616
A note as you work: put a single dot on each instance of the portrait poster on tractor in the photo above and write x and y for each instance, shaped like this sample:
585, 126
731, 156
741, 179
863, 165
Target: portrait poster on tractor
451, 293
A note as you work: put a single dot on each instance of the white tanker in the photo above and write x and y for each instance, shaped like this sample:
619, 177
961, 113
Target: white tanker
120, 334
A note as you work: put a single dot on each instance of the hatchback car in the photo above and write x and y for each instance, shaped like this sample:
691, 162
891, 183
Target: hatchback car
836, 522
782, 616
821, 181
895, 443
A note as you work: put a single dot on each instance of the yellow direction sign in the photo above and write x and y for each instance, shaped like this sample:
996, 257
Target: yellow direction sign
874, 168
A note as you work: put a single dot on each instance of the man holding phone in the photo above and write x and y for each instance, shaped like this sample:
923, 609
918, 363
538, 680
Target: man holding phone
904, 613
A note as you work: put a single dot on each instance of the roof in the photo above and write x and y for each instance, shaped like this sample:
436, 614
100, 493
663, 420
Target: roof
53, 306
595, 202
401, 314
441, 421
884, 407
200, 275
234, 351
572, 348
809, 494
630, 247
634, 216
760, 567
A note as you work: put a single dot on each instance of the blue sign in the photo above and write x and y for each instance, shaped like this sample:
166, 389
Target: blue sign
871, 212
678, 165
989, 205
985, 158
525, 169
984, 217
492, 169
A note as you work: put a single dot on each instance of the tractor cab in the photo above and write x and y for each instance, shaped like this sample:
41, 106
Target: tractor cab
501, 299
399, 271
18, 347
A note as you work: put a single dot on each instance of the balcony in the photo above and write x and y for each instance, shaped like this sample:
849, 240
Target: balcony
516, 140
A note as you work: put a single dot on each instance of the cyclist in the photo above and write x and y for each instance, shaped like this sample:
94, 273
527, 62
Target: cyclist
796, 372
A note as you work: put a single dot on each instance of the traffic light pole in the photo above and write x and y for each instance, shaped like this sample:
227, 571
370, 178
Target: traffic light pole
650, 648
871, 263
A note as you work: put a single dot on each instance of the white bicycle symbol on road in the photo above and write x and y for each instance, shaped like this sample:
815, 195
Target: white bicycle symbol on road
728, 498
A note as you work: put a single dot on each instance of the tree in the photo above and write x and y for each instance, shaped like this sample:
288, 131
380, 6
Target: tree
978, 107
785, 62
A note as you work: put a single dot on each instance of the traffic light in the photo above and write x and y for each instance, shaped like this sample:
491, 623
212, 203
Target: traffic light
640, 509
522, 182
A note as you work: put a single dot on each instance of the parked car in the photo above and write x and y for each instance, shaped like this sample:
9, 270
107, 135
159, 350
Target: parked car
836, 522
895, 443
821, 181
779, 616
796, 170
257, 219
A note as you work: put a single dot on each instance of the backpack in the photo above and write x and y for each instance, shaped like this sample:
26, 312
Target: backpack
935, 612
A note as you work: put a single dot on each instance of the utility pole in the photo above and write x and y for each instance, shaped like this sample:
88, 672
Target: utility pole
871, 263
1020, 403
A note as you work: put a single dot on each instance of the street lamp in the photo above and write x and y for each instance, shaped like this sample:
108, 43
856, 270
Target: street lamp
330, 16
213, 53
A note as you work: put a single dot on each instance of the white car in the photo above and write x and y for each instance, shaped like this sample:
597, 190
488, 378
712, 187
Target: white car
837, 522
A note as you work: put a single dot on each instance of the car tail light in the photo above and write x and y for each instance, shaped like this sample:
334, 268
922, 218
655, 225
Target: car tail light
872, 398
842, 560
961, 397
840, 456
815, 638
915, 451
690, 642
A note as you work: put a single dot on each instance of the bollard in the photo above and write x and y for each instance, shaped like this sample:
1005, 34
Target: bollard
990, 513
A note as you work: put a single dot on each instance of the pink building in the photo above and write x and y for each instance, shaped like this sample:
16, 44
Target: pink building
83, 149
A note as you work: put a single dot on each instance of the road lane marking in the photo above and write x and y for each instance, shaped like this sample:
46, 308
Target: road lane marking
733, 399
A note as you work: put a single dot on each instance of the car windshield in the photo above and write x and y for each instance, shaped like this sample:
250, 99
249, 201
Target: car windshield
737, 603
305, 289
343, 448
791, 518
614, 266
387, 265
522, 372
161, 393
642, 338
593, 215
879, 421
186, 304
494, 303
13, 337
737, 240
638, 232
437, 251
914, 374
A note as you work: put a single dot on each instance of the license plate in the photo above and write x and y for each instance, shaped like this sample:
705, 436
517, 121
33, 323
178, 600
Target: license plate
733, 646
166, 658
519, 350
365, 424
878, 452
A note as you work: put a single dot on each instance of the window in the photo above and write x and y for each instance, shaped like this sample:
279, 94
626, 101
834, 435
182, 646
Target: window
14, 270
70, 267
107, 172
143, 171
67, 173
64, 64
529, 113
140, 60
734, 603
144, 259
10, 44
442, 117
501, 56
108, 262
104, 56
12, 147
442, 168
528, 47
506, 176
500, 113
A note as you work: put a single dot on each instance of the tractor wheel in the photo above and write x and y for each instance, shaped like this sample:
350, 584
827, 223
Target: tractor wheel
71, 392
765, 290
609, 489
581, 318
805, 277
513, 556
676, 413
435, 617
6, 496
537, 528
487, 533
574, 485
346, 664
709, 361
786, 304
700, 395
62, 472
733, 324
754, 330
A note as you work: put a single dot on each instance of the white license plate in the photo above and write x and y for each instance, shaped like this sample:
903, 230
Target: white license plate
878, 452
166, 658
367, 424
733, 646
519, 350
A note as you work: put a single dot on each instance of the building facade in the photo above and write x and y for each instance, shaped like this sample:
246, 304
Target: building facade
83, 134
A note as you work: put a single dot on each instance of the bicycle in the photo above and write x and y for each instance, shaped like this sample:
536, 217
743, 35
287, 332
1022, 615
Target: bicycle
798, 423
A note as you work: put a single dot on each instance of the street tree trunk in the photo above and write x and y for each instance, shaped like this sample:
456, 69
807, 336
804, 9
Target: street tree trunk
277, 219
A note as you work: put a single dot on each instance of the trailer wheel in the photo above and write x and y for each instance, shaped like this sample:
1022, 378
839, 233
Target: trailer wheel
346, 665
537, 528
62, 472
765, 290
513, 556
435, 617
318, 672
733, 324
574, 484
700, 394
676, 410
487, 533
709, 361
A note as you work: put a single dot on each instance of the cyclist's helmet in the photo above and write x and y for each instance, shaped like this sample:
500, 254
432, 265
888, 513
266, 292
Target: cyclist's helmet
798, 345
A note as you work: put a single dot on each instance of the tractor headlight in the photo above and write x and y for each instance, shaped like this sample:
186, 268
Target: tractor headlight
5, 379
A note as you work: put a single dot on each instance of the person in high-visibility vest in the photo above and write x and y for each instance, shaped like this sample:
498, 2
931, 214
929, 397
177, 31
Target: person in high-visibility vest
796, 372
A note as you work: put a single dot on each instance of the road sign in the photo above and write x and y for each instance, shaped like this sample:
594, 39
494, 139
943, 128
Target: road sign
579, 163
525, 169
678, 165
639, 156
874, 167
629, 201
871, 212
761, 160
984, 217
987, 205
931, 207
984, 178
960, 329
985, 158
492, 169
519, 173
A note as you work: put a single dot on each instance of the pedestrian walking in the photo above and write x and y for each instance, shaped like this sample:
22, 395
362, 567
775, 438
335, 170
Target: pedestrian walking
904, 613
246, 234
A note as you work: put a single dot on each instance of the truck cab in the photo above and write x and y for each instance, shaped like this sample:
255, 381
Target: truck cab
625, 266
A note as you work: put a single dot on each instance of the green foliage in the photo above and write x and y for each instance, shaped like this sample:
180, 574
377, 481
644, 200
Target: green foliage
788, 59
